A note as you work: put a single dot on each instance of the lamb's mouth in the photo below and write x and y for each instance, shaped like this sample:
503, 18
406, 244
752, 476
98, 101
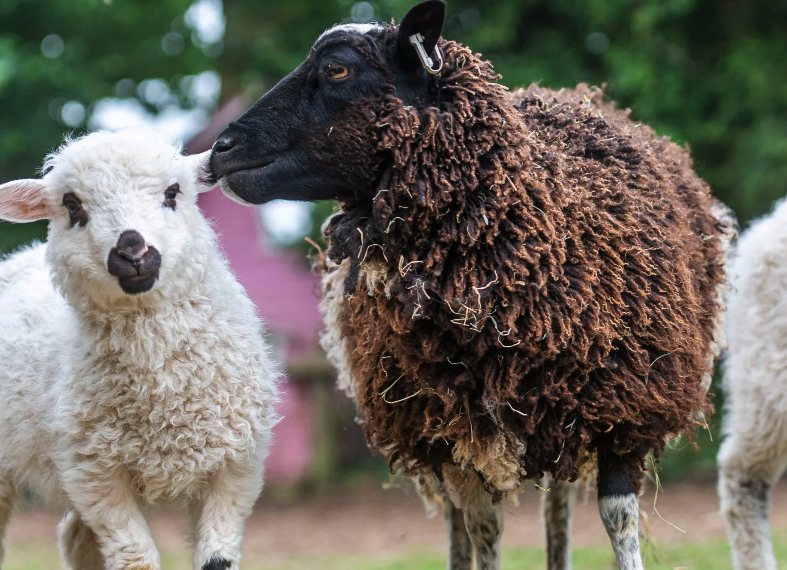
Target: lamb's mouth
136, 284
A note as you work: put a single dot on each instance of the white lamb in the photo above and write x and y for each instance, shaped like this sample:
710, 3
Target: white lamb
133, 367
754, 453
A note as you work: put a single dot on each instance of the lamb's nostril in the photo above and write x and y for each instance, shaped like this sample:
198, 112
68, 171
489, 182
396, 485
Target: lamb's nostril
134, 258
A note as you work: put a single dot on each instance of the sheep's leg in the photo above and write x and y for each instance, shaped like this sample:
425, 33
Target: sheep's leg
484, 523
619, 479
460, 549
79, 548
558, 506
105, 502
219, 518
7, 496
746, 475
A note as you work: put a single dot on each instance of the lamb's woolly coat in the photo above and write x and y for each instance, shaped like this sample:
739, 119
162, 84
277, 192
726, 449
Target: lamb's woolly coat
169, 388
537, 275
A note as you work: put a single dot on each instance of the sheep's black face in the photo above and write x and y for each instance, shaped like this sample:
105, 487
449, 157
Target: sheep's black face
314, 135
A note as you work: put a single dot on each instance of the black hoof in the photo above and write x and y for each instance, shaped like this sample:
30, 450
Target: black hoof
217, 563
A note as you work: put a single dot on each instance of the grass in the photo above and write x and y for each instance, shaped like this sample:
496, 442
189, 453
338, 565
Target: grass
707, 556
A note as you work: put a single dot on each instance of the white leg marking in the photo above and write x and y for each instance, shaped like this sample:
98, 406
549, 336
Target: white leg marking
620, 515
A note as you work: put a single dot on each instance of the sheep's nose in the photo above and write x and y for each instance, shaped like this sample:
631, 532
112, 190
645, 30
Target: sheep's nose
224, 143
131, 247
230, 152
132, 259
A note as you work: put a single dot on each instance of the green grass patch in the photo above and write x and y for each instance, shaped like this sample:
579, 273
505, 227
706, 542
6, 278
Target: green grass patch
713, 555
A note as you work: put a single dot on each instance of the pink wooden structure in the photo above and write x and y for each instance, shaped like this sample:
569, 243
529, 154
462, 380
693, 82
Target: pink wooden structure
284, 291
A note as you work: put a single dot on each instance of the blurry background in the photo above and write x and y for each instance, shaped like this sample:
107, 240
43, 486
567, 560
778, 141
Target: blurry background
711, 74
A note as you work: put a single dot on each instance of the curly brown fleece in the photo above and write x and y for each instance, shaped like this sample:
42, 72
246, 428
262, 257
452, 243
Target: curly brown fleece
539, 276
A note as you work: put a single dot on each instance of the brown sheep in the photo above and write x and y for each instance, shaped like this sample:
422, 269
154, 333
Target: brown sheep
518, 285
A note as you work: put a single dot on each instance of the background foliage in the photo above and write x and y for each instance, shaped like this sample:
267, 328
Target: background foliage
709, 73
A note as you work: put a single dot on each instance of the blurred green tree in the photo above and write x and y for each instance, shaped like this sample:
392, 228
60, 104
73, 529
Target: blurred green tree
711, 74
708, 73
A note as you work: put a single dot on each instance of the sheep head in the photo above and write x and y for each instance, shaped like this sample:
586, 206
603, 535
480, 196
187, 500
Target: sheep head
122, 211
324, 131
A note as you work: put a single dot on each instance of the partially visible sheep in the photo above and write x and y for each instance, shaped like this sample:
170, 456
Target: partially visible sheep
138, 373
754, 453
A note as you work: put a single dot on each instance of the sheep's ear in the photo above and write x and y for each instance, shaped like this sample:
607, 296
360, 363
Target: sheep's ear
24, 201
426, 19
200, 165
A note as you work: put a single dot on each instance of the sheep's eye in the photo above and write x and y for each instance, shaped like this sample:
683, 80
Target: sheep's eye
76, 212
171, 194
337, 72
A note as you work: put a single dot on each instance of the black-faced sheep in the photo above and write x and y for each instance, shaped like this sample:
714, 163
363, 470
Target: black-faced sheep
138, 372
754, 453
519, 284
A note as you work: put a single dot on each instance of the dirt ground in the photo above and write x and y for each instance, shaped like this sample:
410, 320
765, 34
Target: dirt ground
370, 521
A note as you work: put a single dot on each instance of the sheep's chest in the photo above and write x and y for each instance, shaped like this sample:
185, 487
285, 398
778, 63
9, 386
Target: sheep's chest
172, 427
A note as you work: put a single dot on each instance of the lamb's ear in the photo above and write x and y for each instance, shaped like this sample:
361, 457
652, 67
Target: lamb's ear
200, 165
24, 201
427, 20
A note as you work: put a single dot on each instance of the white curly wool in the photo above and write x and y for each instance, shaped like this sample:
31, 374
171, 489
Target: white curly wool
112, 400
754, 453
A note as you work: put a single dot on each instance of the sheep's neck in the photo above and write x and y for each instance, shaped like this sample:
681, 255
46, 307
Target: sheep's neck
145, 334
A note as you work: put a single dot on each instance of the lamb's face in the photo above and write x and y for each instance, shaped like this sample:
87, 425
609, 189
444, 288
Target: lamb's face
122, 207
314, 136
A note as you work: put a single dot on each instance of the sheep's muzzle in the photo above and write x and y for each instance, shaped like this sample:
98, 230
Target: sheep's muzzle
134, 263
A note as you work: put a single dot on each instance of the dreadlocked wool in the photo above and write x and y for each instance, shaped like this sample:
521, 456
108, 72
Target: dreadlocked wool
537, 275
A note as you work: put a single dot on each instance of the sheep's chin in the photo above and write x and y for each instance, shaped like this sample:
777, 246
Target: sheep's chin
138, 284
227, 191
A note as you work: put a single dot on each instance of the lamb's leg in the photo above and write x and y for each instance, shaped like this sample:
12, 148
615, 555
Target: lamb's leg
558, 506
7, 496
219, 518
619, 478
746, 475
79, 548
459, 548
484, 523
105, 502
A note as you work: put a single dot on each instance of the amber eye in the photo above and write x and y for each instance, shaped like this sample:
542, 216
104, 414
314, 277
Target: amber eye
337, 72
